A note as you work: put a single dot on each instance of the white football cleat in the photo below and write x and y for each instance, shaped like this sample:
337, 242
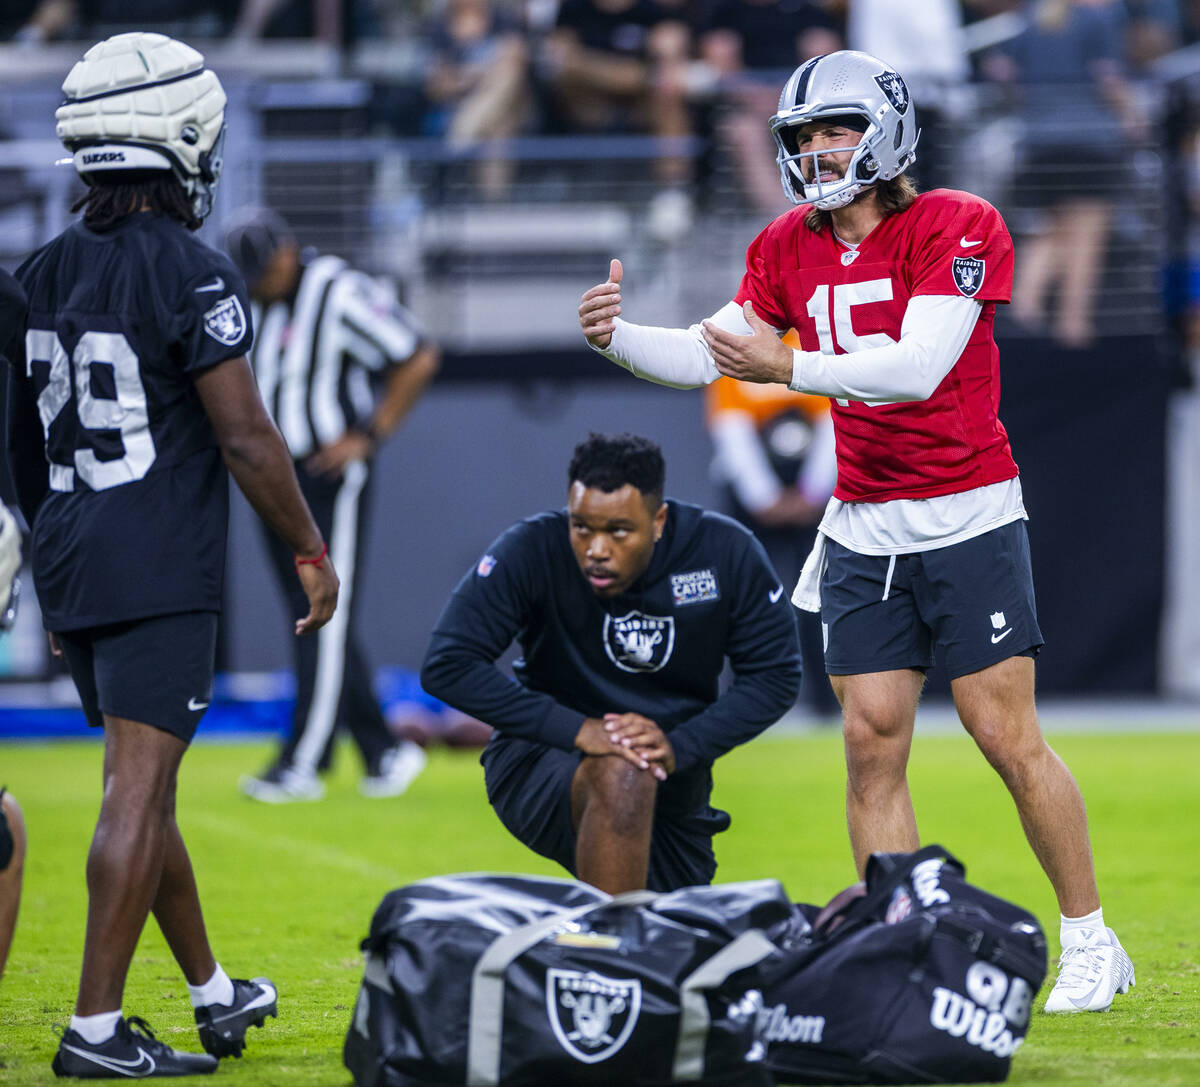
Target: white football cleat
399, 767
283, 785
1090, 974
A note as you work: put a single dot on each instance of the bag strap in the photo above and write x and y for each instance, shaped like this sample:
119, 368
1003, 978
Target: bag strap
487, 983
991, 948
883, 877
749, 949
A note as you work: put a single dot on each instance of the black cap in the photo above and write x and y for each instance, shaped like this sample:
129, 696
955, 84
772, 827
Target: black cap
253, 238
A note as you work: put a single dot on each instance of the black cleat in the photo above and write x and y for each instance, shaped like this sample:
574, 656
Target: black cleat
128, 1054
223, 1026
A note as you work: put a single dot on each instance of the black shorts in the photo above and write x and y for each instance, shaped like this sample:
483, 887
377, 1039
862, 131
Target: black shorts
158, 671
972, 602
529, 785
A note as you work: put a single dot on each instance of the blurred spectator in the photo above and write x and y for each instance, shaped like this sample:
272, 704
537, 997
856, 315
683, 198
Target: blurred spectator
478, 84
32, 21
774, 457
52, 19
320, 19
752, 46
1079, 118
924, 41
1155, 29
621, 66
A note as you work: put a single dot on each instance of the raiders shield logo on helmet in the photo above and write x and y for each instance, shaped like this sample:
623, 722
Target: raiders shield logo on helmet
225, 322
968, 275
592, 1016
894, 88
639, 643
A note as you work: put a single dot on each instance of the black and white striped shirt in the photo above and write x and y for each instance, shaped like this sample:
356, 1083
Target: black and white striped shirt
317, 355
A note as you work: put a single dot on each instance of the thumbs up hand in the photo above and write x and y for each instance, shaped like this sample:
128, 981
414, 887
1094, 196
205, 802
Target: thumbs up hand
758, 357
599, 306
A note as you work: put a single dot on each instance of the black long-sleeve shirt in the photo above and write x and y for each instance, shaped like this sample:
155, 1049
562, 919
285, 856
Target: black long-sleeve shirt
709, 595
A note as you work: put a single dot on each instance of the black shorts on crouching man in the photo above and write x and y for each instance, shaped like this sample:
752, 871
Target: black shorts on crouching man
529, 785
158, 671
971, 602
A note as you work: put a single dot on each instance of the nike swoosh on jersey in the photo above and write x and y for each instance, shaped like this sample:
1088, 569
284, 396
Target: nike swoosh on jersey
775, 594
217, 284
1000, 637
968, 245
194, 704
143, 1066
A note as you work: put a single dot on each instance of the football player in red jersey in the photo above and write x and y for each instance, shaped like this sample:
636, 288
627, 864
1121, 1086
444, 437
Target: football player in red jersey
923, 546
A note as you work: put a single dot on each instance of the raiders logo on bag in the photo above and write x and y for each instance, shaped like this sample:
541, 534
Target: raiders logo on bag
592, 1016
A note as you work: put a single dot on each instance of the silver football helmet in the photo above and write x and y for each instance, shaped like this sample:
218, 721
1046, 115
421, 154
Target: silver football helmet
855, 86
143, 101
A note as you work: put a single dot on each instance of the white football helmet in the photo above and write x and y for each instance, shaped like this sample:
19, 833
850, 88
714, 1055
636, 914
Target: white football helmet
144, 101
853, 85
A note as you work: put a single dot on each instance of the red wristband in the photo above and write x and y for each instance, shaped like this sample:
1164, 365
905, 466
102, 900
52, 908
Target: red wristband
312, 562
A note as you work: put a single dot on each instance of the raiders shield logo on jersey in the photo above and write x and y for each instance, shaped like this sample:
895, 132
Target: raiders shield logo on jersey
225, 322
893, 87
968, 275
639, 643
592, 1016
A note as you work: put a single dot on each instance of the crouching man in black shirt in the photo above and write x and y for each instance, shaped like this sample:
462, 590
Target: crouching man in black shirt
626, 608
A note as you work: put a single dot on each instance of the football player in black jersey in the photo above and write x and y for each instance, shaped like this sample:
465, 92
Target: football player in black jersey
131, 403
626, 608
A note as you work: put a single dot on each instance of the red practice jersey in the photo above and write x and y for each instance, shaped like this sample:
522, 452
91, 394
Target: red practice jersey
946, 243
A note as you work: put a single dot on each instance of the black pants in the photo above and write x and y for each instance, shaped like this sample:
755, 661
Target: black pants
333, 677
787, 548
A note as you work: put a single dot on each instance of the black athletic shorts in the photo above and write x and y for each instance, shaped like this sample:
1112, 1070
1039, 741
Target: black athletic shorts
529, 785
158, 671
971, 602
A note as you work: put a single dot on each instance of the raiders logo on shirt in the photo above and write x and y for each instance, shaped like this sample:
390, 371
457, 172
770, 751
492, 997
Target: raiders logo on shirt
225, 322
968, 275
637, 642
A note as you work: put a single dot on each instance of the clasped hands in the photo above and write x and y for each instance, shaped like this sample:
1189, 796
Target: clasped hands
630, 736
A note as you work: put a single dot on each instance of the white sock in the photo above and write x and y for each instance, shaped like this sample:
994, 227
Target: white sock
217, 990
1088, 929
95, 1029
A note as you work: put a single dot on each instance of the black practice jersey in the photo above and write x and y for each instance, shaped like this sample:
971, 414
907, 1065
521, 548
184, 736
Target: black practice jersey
116, 463
709, 595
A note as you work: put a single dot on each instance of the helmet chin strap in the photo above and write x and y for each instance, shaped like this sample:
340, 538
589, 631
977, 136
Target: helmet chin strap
837, 200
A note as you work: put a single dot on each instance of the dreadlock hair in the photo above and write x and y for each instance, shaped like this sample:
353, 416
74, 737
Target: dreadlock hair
609, 463
108, 202
895, 195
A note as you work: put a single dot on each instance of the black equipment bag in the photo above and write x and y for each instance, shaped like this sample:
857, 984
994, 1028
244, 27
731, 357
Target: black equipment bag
921, 977
511, 981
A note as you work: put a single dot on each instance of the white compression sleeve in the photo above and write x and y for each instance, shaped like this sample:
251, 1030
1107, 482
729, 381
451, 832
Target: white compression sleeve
667, 356
933, 335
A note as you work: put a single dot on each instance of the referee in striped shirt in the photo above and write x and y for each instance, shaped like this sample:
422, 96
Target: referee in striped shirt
340, 363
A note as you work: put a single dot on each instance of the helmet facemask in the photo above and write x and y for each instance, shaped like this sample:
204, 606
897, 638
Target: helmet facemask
861, 172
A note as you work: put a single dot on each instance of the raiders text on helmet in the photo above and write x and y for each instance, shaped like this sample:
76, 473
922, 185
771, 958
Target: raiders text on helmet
852, 85
144, 101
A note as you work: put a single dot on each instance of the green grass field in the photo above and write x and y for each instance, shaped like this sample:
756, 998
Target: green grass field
289, 891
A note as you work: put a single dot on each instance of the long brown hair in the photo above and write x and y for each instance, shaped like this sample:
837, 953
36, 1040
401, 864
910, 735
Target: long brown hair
107, 203
895, 195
